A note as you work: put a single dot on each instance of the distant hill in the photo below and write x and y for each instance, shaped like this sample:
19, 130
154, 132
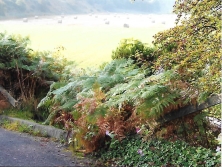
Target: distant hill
27, 8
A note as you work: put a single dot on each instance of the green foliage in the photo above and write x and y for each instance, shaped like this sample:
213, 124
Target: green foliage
25, 73
13, 51
148, 95
103, 98
133, 151
15, 54
140, 53
122, 82
81, 84
214, 111
127, 92
27, 115
108, 97
192, 48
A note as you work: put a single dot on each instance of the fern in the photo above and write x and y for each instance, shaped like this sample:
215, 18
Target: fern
63, 89
153, 106
145, 94
153, 91
121, 87
46, 101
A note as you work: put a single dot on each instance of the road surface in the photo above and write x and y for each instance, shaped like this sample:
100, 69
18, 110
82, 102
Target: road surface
19, 149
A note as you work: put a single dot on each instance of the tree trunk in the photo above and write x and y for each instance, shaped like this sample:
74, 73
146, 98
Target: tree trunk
8, 97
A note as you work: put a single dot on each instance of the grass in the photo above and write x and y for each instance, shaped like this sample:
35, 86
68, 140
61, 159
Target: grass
86, 45
27, 115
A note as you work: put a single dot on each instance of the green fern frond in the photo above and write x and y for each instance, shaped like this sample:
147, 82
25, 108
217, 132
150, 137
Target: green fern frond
63, 89
88, 83
153, 107
68, 105
153, 90
118, 89
46, 101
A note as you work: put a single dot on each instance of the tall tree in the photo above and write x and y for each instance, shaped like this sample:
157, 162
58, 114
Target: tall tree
192, 48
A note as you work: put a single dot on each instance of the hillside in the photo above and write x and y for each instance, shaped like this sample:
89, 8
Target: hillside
25, 8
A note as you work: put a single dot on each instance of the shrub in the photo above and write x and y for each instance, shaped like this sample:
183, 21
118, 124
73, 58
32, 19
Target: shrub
141, 53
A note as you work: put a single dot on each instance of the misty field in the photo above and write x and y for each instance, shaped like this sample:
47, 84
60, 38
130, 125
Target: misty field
88, 39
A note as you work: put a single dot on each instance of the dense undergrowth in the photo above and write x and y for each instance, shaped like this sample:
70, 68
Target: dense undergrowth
27, 74
134, 151
105, 109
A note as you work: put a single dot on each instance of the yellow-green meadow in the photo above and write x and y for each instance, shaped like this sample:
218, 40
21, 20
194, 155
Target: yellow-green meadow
86, 44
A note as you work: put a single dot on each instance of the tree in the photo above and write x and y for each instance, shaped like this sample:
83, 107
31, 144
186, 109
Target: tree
192, 48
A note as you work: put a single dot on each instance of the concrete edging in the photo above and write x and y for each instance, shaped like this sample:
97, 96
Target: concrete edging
44, 129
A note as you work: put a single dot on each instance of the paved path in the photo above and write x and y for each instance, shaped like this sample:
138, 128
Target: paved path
18, 149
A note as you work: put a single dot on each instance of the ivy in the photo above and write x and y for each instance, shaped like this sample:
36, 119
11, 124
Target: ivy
133, 151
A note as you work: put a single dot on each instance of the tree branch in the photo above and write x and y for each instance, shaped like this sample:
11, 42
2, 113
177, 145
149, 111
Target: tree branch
211, 101
8, 97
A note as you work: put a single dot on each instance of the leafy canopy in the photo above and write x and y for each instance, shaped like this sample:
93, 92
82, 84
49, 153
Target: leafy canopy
192, 47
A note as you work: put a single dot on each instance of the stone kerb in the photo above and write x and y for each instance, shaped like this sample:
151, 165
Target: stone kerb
44, 129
